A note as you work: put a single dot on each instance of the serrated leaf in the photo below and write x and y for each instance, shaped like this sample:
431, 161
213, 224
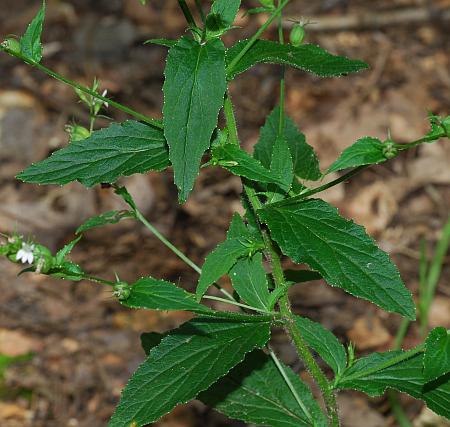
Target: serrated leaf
187, 361
365, 151
376, 373
281, 165
151, 294
112, 217
301, 276
219, 262
324, 343
226, 9
436, 360
312, 232
250, 281
240, 163
194, 89
30, 42
255, 392
119, 150
307, 57
305, 162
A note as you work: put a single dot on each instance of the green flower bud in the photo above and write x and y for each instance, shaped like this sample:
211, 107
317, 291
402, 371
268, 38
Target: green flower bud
122, 291
43, 259
297, 34
77, 133
12, 44
389, 150
267, 3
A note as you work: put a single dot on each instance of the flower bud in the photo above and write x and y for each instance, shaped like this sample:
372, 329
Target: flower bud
389, 150
121, 291
297, 34
43, 259
12, 44
77, 133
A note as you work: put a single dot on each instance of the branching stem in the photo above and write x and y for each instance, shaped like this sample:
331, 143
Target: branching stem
75, 85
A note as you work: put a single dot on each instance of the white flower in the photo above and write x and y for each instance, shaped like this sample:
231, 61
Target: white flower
25, 255
105, 92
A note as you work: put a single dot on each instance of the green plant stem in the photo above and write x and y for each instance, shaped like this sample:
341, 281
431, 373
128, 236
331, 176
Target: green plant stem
289, 320
433, 276
98, 280
187, 13
176, 251
331, 184
256, 36
282, 77
237, 304
282, 371
121, 107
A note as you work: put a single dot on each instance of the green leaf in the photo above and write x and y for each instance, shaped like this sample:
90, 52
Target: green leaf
312, 232
162, 42
219, 262
379, 371
151, 294
255, 392
281, 165
238, 229
305, 162
250, 281
66, 250
307, 57
365, 151
112, 217
240, 163
187, 361
119, 150
67, 270
194, 88
301, 276
436, 361
226, 9
324, 343
30, 42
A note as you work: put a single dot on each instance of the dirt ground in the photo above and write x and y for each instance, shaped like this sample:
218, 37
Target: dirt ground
84, 344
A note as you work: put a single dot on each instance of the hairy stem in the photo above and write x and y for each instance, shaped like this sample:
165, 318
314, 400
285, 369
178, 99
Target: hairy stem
289, 320
62, 79
187, 13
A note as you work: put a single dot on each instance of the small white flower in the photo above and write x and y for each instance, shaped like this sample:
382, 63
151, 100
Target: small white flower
25, 255
105, 92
